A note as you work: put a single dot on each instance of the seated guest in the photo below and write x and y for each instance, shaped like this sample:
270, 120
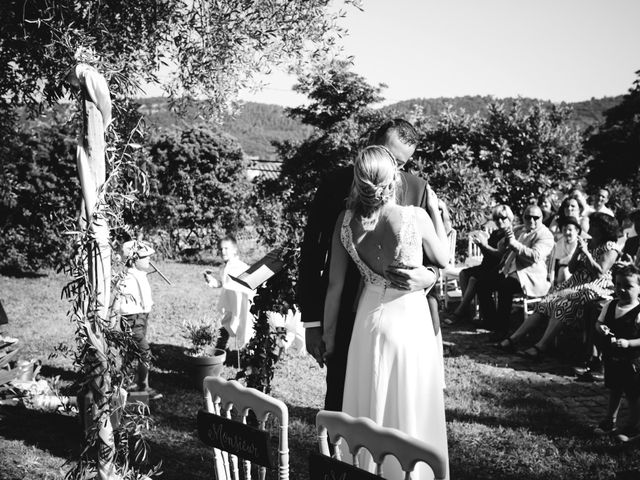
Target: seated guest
632, 244
590, 281
571, 206
547, 204
563, 251
600, 202
523, 269
488, 269
579, 195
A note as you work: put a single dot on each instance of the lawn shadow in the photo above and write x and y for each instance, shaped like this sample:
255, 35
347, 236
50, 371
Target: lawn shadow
186, 458
306, 414
64, 374
17, 273
58, 434
168, 357
479, 345
541, 396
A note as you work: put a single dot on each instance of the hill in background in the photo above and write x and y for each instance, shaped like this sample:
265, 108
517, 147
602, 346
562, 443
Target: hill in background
256, 125
585, 114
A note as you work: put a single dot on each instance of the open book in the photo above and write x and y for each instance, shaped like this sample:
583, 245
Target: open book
261, 271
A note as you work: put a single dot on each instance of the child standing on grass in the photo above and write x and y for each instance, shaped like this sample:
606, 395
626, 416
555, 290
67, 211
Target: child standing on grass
619, 327
134, 304
234, 301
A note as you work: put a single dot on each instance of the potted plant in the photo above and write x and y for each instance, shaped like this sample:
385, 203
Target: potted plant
202, 358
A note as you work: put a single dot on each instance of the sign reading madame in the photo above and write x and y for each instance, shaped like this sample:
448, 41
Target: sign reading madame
241, 440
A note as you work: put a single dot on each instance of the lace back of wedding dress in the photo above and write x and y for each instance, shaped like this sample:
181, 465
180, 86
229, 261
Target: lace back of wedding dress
408, 251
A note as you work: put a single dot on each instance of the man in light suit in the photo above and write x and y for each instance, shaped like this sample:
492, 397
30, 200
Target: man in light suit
523, 270
400, 137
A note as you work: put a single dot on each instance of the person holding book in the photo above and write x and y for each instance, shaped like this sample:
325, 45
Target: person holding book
235, 299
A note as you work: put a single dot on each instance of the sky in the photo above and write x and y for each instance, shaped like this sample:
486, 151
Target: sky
558, 50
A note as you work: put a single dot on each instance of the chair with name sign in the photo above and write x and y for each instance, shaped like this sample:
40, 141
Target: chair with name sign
378, 441
235, 439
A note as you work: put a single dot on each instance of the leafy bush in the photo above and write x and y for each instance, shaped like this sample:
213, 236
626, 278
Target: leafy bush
197, 183
39, 195
522, 151
615, 145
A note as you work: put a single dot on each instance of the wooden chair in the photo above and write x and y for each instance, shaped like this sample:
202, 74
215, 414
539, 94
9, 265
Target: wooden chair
8, 355
474, 254
527, 303
448, 281
220, 397
451, 286
379, 441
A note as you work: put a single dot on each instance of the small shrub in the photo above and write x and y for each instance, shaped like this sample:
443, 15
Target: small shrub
202, 334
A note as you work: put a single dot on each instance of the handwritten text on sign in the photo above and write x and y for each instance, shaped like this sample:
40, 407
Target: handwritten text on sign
322, 467
241, 440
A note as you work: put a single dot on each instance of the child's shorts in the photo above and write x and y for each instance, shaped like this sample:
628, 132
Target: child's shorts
138, 325
622, 375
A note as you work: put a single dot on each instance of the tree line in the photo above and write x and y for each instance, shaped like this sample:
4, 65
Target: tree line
512, 153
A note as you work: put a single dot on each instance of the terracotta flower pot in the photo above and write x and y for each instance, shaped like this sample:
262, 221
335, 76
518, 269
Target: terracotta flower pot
205, 366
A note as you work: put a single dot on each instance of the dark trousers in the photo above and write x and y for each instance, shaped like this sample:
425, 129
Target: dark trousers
497, 318
137, 323
337, 363
223, 339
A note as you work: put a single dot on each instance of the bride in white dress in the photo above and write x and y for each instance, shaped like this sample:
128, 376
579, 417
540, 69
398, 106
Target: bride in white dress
394, 371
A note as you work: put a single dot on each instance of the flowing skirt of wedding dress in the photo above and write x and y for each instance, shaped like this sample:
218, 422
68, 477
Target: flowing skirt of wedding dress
394, 373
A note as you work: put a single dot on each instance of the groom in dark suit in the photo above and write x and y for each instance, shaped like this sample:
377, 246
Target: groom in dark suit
401, 138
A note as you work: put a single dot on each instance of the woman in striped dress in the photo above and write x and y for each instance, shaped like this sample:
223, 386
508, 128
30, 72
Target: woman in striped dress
590, 281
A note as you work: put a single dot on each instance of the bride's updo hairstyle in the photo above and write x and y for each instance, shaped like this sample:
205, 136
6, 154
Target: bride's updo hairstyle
374, 181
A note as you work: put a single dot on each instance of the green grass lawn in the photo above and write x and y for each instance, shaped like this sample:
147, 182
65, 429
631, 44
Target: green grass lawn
498, 427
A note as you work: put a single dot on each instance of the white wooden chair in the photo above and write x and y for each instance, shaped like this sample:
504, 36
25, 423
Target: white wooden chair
451, 286
448, 281
474, 254
220, 396
527, 303
379, 441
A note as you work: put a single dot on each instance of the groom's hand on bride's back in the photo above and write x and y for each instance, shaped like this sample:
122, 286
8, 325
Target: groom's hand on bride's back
315, 344
412, 278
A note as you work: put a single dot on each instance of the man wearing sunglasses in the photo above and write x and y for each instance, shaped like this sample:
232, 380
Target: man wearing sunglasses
523, 270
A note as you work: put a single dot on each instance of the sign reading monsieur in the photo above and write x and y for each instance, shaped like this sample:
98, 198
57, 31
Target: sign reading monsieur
241, 440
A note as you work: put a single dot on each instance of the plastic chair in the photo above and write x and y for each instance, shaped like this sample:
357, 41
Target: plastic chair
220, 397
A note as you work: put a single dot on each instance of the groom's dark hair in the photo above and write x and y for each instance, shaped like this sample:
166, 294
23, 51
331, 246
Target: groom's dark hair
406, 132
